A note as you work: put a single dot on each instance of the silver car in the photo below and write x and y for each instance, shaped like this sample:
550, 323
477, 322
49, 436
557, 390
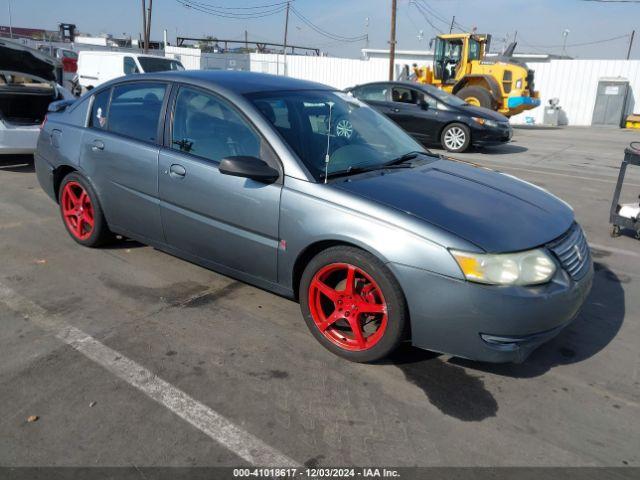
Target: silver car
307, 192
27, 87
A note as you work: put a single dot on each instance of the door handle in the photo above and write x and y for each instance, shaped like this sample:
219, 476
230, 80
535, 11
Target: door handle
395, 110
177, 171
97, 145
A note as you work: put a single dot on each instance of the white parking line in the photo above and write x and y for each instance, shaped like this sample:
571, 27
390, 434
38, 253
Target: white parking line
208, 421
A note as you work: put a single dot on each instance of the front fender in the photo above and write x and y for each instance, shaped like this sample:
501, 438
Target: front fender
312, 213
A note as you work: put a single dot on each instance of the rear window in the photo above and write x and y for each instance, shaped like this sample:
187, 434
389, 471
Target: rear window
159, 64
135, 110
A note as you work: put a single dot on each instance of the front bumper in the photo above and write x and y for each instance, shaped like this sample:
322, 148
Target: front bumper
482, 135
488, 323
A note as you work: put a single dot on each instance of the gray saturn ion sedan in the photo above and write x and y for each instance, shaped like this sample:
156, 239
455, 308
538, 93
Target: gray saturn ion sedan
308, 192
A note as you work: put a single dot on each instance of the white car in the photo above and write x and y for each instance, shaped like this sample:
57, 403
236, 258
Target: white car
28, 84
96, 67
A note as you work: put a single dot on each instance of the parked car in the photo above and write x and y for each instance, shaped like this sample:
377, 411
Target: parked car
97, 67
433, 116
308, 192
27, 87
69, 60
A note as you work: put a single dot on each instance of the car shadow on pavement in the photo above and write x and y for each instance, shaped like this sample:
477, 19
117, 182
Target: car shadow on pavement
595, 327
449, 388
505, 149
121, 243
17, 163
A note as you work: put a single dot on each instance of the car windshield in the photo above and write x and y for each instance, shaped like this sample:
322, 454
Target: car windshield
159, 64
315, 123
443, 96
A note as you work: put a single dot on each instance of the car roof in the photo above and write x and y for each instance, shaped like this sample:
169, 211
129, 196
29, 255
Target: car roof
239, 82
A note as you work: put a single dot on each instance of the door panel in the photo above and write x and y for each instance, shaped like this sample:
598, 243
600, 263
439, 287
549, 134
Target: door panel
124, 165
125, 174
231, 221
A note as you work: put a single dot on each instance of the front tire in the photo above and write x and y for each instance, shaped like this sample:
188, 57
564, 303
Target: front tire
81, 212
352, 304
456, 137
477, 96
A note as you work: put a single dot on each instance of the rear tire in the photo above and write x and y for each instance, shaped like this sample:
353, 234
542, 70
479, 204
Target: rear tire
343, 288
477, 96
81, 212
456, 137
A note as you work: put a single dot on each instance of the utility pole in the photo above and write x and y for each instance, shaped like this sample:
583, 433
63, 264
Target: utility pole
10, 21
366, 28
148, 26
246, 41
144, 26
392, 42
453, 20
286, 30
633, 34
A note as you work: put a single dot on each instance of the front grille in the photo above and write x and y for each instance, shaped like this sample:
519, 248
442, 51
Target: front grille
573, 252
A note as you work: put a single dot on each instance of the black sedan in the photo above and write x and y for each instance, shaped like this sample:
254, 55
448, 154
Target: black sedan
433, 116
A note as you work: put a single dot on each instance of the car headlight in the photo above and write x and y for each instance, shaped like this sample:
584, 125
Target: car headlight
523, 268
485, 122
519, 84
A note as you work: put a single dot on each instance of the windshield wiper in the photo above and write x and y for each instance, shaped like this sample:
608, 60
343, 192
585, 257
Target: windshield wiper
371, 168
405, 158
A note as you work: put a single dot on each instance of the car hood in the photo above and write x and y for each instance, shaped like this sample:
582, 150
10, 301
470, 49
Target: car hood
19, 58
483, 113
496, 212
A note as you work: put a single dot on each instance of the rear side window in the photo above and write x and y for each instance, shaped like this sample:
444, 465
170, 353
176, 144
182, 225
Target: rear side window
135, 110
99, 110
130, 66
372, 92
208, 127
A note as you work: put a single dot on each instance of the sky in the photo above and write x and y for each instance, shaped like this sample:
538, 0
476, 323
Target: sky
540, 23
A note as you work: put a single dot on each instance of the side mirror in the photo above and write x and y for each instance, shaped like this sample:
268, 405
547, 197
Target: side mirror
248, 167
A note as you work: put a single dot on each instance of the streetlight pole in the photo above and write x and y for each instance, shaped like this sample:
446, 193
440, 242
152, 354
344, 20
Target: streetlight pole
565, 34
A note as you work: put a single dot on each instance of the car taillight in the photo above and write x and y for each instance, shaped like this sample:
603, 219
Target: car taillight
43, 122
69, 65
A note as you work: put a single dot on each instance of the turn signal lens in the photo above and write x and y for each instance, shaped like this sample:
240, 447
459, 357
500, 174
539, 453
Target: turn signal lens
524, 268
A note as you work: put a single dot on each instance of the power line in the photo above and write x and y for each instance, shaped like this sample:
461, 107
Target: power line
207, 4
229, 14
582, 44
325, 33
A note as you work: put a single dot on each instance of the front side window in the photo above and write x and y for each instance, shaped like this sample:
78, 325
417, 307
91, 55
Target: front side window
334, 123
130, 66
135, 110
376, 93
206, 126
99, 110
403, 95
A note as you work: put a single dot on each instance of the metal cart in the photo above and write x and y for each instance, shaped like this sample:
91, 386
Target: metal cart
617, 221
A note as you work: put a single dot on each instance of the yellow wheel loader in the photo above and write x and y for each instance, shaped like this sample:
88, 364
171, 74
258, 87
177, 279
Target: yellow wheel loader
460, 67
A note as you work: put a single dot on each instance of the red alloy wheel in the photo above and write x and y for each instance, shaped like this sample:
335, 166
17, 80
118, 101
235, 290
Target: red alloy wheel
77, 210
347, 306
